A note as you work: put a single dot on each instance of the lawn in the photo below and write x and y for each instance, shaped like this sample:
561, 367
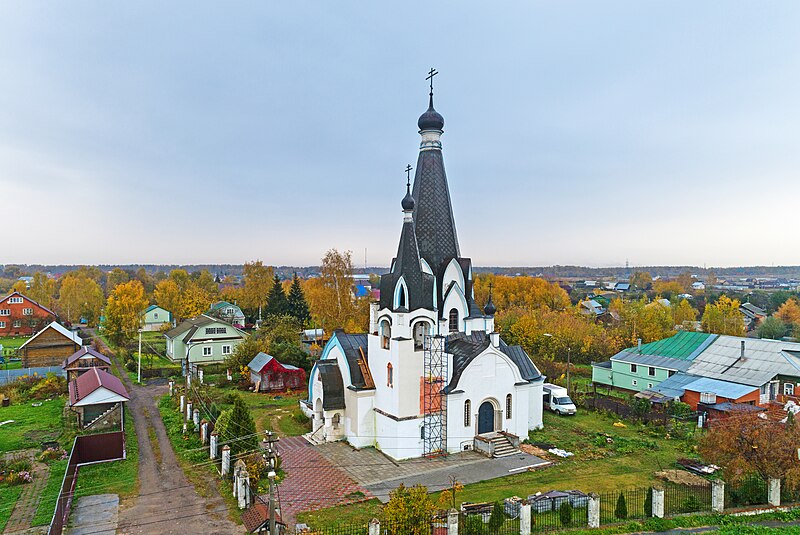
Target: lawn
277, 412
10, 345
47, 503
8, 498
32, 425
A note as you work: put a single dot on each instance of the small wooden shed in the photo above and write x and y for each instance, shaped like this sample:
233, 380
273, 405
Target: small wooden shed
83, 360
269, 375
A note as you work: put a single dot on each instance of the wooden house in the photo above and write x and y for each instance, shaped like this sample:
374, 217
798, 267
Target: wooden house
98, 399
83, 360
50, 346
269, 375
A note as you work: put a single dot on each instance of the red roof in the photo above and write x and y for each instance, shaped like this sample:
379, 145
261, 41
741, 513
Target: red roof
90, 381
86, 351
258, 515
12, 294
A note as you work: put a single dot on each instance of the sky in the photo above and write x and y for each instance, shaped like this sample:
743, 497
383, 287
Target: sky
588, 133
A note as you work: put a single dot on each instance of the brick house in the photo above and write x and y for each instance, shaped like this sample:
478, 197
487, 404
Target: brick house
22, 316
50, 346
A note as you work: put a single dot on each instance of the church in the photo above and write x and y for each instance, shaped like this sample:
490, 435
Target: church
432, 376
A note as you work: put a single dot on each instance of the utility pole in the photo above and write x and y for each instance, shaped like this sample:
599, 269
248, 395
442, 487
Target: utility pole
271, 456
139, 373
569, 355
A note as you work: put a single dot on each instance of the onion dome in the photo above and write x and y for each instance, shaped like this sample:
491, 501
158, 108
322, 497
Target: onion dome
408, 200
431, 119
489, 309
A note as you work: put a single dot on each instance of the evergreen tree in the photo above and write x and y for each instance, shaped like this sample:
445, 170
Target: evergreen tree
621, 510
565, 513
236, 428
648, 503
276, 301
497, 519
297, 304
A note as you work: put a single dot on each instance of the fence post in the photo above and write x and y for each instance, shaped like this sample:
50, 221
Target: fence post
171, 388
658, 502
183, 404
774, 495
452, 522
374, 527
213, 449
594, 510
226, 460
241, 485
717, 496
196, 419
525, 519
203, 432
188, 410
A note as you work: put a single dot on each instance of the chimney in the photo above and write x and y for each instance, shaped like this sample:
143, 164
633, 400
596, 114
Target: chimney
639, 344
742, 354
495, 339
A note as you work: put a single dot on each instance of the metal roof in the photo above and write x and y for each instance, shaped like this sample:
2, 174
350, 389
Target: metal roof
763, 360
723, 389
674, 386
683, 345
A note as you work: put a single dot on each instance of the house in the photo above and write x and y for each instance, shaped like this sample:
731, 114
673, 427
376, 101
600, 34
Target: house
753, 315
591, 307
50, 346
697, 285
84, 360
713, 391
156, 317
269, 375
256, 519
622, 287
431, 375
229, 313
22, 316
98, 399
202, 340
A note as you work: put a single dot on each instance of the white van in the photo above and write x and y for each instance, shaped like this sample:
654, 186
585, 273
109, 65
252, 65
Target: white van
557, 400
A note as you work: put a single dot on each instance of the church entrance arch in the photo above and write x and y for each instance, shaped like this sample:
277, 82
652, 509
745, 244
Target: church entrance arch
485, 418
319, 417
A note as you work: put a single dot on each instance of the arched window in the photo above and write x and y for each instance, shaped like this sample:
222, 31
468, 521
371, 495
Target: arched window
467, 413
401, 298
390, 375
508, 407
421, 328
386, 334
453, 320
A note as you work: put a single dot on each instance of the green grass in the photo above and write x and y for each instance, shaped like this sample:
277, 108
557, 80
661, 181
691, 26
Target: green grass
356, 513
117, 477
47, 504
32, 425
12, 342
276, 412
8, 498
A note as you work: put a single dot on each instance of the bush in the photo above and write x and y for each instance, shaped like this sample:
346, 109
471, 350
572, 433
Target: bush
621, 511
17, 463
473, 525
648, 503
691, 504
565, 514
52, 454
48, 387
498, 517
131, 365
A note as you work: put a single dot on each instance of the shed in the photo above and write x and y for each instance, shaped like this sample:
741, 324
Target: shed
50, 346
97, 397
269, 375
83, 360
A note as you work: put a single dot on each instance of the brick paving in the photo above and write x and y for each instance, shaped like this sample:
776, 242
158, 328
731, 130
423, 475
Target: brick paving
28, 502
312, 481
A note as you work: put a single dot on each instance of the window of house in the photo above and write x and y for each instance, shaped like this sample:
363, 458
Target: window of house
788, 389
422, 432
508, 407
671, 373
207, 351
155, 315
651, 371
17, 323
5, 312
27, 312
389, 375
634, 383
467, 413
15, 300
649, 385
633, 368
229, 312
226, 350
2, 324
453, 317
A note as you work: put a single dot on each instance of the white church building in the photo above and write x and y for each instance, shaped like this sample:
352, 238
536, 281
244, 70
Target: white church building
431, 376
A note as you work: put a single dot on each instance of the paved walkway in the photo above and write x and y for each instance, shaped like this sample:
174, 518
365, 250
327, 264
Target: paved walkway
95, 515
28, 502
312, 481
379, 474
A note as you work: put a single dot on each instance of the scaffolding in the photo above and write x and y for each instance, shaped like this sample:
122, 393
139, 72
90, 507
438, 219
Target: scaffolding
434, 402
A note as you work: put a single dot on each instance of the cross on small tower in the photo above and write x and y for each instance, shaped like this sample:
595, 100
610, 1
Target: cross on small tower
433, 72
408, 174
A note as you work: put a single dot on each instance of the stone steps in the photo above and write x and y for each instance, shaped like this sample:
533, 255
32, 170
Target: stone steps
502, 447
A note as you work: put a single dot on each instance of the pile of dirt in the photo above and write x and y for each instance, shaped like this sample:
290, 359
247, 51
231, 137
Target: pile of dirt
682, 477
533, 450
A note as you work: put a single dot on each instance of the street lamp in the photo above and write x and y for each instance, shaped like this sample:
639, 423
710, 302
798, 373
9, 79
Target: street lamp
569, 358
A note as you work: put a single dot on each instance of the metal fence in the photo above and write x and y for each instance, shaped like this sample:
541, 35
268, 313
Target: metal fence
8, 376
750, 491
680, 499
618, 506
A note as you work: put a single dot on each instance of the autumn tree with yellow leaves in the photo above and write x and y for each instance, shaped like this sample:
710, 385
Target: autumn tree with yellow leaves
124, 311
330, 296
723, 317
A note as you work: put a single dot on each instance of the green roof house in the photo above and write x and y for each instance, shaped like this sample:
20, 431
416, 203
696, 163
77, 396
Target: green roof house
202, 340
156, 317
645, 366
228, 312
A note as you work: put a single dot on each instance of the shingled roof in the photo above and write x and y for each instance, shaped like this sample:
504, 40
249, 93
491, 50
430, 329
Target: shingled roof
92, 380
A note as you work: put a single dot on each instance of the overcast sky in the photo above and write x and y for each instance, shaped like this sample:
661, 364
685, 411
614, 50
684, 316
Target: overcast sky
575, 132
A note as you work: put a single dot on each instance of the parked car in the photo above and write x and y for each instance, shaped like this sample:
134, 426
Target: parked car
557, 400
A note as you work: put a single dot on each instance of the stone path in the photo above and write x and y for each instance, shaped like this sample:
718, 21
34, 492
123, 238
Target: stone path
94, 515
312, 481
28, 502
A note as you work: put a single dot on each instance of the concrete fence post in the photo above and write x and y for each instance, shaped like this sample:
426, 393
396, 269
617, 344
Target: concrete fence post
525, 519
658, 502
196, 419
200, 375
183, 404
226, 460
212, 451
717, 496
374, 527
452, 522
203, 432
774, 496
188, 410
171, 388
594, 510
242, 488
188, 378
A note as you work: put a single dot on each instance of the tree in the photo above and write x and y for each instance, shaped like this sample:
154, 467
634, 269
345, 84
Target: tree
409, 511
621, 510
297, 305
80, 297
168, 296
497, 518
43, 290
685, 314
640, 319
236, 428
668, 288
641, 280
648, 503
276, 301
20, 286
723, 317
114, 278
257, 285
565, 513
195, 300
745, 443
330, 296
771, 328
525, 292
242, 354
146, 280
789, 312
124, 311
205, 281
